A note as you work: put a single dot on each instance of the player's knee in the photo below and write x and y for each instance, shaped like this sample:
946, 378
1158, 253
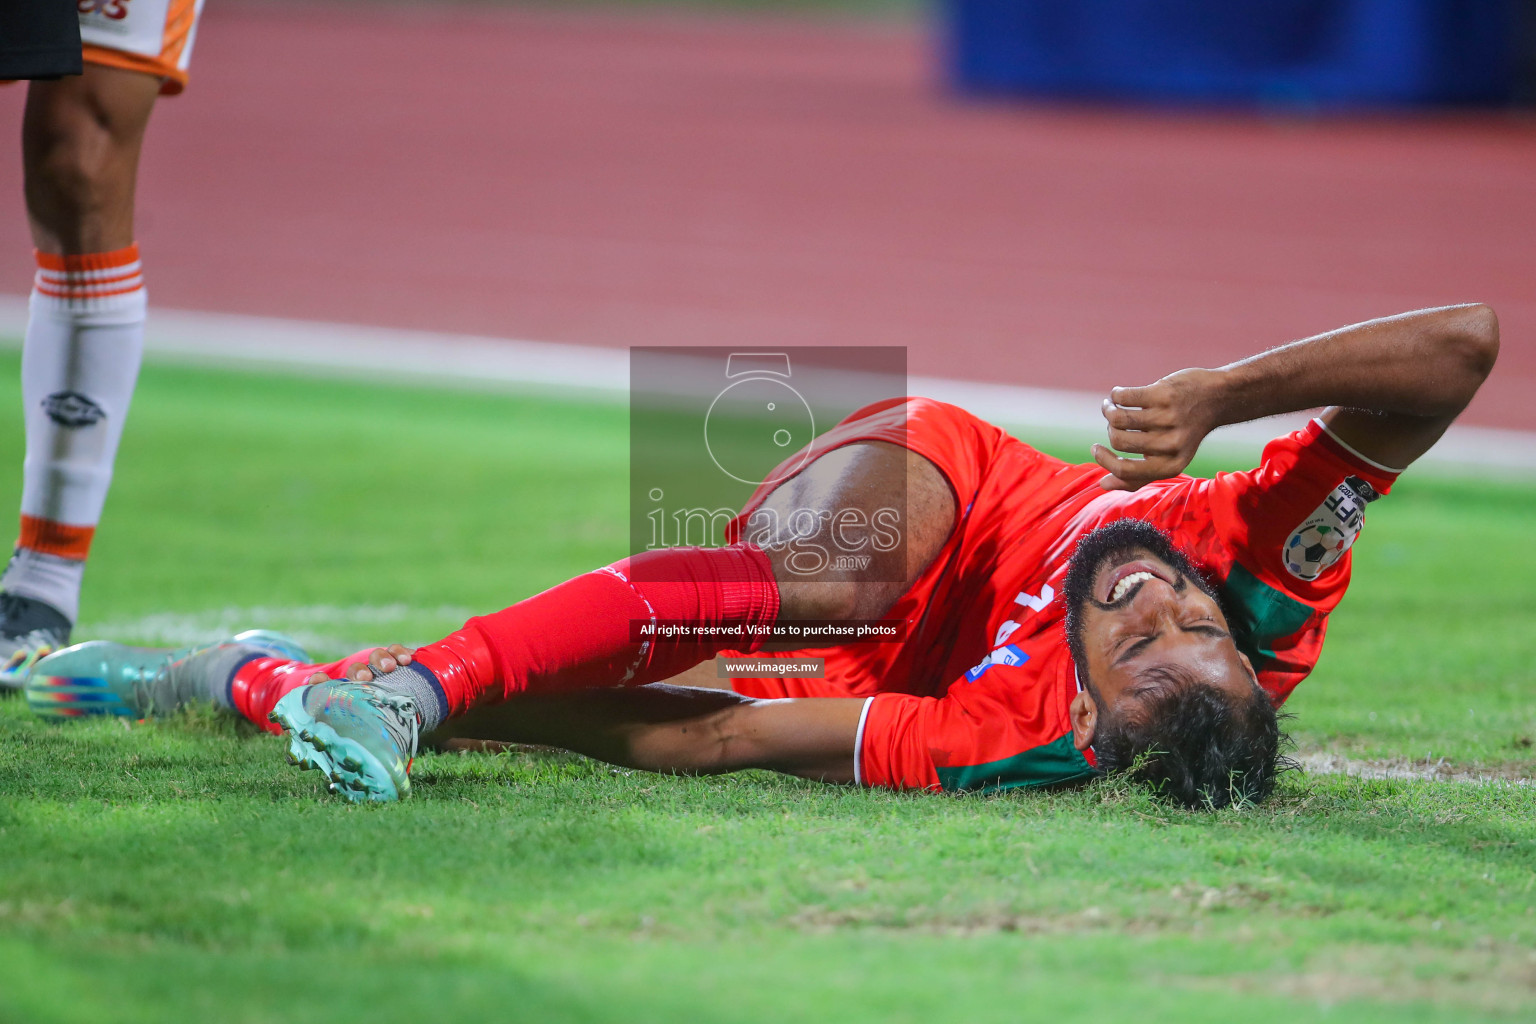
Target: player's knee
834, 601
75, 161
816, 582
71, 174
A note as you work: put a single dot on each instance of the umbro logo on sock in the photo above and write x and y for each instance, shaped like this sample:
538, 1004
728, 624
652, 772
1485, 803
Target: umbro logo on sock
72, 409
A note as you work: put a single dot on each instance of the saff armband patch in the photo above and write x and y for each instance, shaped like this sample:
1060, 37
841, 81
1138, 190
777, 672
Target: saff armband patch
1324, 536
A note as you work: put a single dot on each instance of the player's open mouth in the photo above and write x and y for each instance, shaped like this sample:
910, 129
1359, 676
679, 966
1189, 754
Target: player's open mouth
1123, 581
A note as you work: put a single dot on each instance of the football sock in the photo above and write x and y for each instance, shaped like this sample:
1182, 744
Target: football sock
584, 633
591, 631
208, 672
421, 686
252, 682
79, 364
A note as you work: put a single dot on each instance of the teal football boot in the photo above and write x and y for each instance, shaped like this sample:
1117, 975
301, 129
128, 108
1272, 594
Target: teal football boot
361, 735
104, 678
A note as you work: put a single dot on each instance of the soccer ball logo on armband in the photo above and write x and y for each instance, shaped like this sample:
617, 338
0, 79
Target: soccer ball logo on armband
1330, 531
1314, 548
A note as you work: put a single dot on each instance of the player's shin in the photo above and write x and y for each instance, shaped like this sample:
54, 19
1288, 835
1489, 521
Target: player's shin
80, 361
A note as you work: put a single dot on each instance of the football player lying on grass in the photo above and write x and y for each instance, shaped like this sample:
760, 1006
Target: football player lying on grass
1061, 620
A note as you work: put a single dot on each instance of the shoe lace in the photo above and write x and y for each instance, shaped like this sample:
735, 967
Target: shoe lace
405, 721
154, 689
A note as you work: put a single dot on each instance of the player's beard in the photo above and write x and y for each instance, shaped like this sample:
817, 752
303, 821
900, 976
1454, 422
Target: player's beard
1201, 740
1117, 543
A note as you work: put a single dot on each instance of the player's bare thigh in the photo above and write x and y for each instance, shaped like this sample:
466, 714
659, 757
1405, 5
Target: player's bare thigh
856, 481
81, 138
866, 476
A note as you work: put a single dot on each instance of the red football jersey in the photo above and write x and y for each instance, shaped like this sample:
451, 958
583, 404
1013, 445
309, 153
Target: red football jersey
977, 695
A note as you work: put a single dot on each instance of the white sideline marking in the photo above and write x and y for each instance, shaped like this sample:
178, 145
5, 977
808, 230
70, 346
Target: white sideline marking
464, 360
1400, 768
321, 628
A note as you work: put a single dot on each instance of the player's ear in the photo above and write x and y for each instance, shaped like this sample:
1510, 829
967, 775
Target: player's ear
1084, 713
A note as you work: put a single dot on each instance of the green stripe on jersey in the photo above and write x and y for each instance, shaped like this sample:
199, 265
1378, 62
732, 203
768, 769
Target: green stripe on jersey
1057, 761
1266, 613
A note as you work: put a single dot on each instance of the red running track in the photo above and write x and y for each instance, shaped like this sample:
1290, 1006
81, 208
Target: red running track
641, 180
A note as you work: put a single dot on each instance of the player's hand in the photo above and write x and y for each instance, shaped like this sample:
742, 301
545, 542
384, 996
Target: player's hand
381, 661
1164, 423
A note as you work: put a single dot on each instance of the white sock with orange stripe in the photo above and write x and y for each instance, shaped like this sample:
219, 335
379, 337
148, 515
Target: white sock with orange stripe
79, 365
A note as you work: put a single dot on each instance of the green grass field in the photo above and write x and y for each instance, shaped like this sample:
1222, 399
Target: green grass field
181, 871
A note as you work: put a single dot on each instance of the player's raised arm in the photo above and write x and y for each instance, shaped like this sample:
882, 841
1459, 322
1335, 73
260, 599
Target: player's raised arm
1393, 386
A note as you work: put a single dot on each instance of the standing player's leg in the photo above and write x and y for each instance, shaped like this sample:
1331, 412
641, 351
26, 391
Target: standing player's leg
85, 338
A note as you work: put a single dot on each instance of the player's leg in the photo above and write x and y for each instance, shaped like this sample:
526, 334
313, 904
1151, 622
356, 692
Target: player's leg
104, 678
589, 632
81, 139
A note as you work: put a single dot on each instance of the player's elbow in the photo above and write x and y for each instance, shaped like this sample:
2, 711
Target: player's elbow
1453, 357
747, 735
729, 741
1475, 343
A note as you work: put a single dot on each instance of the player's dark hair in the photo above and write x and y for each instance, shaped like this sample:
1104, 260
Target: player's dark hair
1195, 745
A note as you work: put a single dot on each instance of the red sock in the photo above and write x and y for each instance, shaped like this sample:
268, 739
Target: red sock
259, 684
579, 635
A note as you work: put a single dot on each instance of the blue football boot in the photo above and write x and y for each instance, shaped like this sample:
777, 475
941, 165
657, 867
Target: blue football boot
363, 736
104, 678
